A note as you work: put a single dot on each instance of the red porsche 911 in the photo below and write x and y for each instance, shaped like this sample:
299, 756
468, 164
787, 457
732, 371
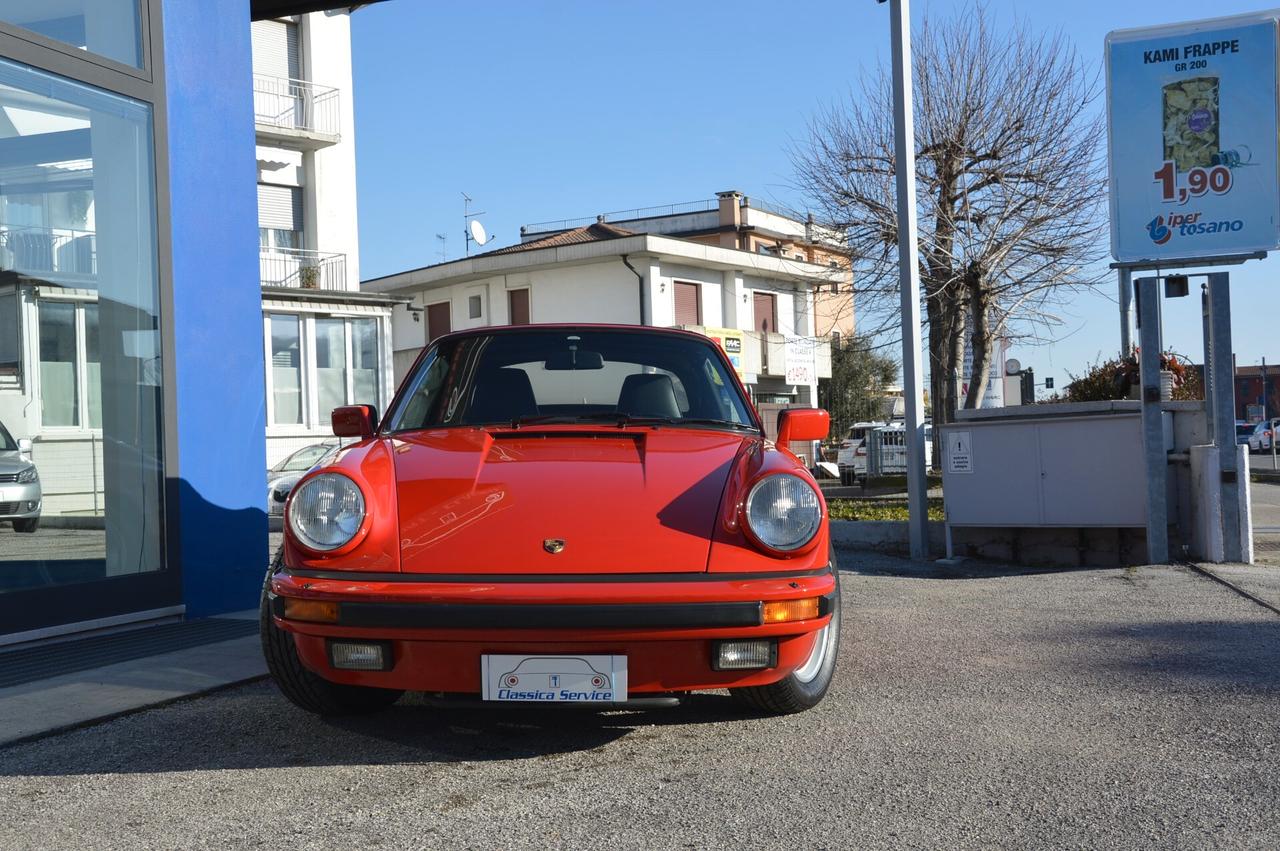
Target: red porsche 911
578, 514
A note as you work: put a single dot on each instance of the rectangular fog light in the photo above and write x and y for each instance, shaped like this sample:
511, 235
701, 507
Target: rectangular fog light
744, 654
360, 655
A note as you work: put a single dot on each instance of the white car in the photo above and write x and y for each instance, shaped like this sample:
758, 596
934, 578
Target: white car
1263, 434
852, 457
20, 493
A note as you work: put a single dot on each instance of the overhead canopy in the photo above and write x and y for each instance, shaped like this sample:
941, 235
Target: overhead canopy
260, 9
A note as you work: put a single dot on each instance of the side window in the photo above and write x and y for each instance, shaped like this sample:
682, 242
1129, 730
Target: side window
425, 393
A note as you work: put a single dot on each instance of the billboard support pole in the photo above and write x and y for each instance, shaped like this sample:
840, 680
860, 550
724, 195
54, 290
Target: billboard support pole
1157, 463
1224, 415
1126, 304
909, 279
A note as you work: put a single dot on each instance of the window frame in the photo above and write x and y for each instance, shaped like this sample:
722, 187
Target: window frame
80, 365
312, 417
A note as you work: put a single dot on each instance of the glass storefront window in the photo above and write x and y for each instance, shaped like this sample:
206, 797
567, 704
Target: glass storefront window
331, 366
364, 354
110, 28
80, 372
286, 370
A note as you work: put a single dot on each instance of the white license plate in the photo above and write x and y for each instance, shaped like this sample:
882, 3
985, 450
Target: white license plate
554, 679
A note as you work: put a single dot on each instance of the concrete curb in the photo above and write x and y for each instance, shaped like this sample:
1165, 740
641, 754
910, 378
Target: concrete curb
883, 535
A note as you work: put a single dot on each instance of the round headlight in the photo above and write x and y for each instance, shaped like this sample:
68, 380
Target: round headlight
326, 512
783, 512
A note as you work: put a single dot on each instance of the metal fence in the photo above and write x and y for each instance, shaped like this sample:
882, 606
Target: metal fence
296, 105
887, 451
299, 268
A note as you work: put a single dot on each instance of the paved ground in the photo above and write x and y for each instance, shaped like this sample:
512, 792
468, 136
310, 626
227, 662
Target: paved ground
1265, 498
1120, 708
46, 543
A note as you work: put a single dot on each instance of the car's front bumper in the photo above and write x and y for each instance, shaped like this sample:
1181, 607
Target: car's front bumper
20, 502
664, 625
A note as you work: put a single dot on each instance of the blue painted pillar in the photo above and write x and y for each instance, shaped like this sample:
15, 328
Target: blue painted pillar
219, 519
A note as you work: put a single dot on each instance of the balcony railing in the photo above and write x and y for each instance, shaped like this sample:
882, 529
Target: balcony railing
296, 105
57, 253
298, 268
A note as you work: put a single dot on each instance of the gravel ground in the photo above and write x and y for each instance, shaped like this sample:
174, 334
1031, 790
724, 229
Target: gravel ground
1118, 708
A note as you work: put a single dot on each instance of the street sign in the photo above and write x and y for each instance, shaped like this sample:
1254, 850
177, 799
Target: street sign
729, 339
1192, 121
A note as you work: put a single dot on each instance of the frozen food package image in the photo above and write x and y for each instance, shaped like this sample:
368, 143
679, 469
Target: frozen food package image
1191, 122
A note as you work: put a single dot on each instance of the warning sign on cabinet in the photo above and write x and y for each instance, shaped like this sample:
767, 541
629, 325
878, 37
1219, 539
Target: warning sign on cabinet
959, 452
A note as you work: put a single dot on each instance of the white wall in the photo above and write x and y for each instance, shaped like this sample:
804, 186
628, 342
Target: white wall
331, 199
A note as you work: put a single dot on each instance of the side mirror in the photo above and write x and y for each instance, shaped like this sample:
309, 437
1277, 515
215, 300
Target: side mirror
802, 424
355, 421
24, 445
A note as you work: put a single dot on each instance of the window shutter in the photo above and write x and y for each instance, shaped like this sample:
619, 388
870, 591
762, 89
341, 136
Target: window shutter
766, 312
437, 320
688, 304
275, 49
518, 307
279, 207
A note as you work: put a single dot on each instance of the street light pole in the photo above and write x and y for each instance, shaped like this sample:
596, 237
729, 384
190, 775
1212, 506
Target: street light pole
909, 278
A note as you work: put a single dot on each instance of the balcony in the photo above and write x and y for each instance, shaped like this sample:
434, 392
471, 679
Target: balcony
61, 255
295, 113
298, 268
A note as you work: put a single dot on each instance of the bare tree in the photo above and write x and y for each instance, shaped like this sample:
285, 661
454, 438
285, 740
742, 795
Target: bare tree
1010, 182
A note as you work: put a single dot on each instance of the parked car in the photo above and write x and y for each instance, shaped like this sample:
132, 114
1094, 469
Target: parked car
20, 493
573, 494
1244, 430
1262, 435
283, 476
852, 458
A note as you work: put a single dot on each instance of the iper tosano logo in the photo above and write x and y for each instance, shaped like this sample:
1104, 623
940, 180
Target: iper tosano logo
1188, 225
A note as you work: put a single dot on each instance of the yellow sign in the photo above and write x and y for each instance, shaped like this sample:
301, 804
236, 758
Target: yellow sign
729, 339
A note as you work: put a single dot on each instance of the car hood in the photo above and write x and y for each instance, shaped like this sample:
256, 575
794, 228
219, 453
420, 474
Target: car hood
13, 462
620, 501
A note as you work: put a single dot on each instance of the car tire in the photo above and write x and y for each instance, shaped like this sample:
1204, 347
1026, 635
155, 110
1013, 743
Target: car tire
797, 692
304, 688
27, 526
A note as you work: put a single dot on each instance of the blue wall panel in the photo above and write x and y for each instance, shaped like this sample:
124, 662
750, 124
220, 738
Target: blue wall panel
219, 519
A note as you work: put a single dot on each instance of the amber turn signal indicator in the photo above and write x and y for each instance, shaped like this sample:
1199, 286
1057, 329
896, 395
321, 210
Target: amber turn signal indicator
781, 611
316, 611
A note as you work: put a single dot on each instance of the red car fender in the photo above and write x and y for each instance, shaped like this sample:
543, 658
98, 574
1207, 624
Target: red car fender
732, 549
376, 546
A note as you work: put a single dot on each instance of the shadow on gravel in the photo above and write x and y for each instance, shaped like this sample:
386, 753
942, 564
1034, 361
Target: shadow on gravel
253, 727
884, 564
1243, 654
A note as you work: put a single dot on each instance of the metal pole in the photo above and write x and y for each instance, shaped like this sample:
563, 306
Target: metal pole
1157, 462
1207, 369
1126, 302
1224, 414
909, 278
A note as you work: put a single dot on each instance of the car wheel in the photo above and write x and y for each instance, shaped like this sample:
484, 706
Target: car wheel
27, 526
305, 688
804, 687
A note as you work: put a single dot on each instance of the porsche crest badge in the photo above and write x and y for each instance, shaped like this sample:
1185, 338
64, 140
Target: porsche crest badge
553, 545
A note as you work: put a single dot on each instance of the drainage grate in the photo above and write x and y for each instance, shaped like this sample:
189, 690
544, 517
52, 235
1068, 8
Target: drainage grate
68, 657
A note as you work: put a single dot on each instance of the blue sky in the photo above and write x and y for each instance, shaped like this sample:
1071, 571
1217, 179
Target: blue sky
546, 111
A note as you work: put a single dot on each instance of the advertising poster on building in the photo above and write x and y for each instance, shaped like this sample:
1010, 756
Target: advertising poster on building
801, 360
1192, 139
730, 340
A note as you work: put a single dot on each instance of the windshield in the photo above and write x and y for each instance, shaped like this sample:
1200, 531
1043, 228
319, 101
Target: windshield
515, 378
1244, 429
302, 460
7, 443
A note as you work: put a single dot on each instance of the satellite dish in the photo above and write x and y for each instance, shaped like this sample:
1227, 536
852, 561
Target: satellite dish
478, 232
1012, 366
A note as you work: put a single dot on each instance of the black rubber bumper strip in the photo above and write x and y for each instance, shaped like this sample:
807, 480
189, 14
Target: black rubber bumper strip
518, 616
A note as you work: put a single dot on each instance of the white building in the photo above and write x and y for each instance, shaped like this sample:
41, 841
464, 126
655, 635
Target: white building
326, 343
759, 302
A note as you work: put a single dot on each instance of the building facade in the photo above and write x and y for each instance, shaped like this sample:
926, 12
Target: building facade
132, 359
325, 343
759, 305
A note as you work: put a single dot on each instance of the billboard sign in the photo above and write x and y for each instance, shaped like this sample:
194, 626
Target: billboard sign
1192, 122
729, 339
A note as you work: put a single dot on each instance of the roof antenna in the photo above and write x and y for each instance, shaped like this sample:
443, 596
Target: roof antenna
474, 231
